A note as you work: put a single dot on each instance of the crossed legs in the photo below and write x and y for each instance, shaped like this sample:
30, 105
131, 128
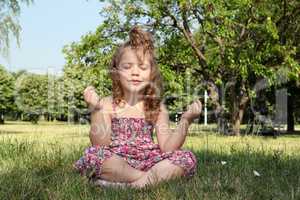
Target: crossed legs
116, 169
163, 170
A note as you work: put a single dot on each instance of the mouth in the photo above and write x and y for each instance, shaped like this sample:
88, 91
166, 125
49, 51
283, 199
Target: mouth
135, 82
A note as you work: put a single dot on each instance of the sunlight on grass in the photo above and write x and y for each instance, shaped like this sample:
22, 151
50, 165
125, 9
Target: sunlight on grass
69, 134
36, 162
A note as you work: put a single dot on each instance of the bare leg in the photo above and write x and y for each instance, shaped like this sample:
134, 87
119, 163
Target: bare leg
163, 170
116, 169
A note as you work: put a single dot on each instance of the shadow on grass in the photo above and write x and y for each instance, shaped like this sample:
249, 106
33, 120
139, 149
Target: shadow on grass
44, 175
294, 133
203, 132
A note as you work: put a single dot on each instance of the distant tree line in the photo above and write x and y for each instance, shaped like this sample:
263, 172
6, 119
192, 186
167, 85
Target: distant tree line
241, 52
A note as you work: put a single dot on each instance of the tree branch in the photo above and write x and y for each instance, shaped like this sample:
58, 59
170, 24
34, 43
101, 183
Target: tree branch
189, 36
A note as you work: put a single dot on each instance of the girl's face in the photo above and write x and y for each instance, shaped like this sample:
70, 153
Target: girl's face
134, 75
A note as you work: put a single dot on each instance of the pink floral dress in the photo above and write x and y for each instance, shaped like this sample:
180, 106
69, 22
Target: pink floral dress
132, 140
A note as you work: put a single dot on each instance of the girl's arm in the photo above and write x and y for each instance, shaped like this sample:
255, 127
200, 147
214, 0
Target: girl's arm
168, 139
100, 130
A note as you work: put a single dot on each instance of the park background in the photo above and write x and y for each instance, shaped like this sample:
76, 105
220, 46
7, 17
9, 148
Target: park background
244, 54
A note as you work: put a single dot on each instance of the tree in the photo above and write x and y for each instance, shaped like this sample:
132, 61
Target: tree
86, 64
32, 95
6, 93
9, 12
236, 43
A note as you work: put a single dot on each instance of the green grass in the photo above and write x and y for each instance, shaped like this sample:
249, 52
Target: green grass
36, 163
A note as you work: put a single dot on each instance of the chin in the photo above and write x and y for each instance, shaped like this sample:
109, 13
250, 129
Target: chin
135, 90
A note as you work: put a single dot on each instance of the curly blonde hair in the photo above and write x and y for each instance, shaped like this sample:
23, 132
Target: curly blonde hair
151, 94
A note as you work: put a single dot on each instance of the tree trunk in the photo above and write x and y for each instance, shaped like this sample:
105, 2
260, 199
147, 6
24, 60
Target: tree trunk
239, 106
237, 120
1, 118
290, 110
218, 100
291, 84
221, 123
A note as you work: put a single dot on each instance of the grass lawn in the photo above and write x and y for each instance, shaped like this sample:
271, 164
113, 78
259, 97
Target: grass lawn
36, 162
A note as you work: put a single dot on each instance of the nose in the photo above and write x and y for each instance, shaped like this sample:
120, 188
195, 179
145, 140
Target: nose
135, 70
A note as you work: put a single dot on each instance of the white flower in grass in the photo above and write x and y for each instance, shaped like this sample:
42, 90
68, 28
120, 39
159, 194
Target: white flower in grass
256, 173
223, 162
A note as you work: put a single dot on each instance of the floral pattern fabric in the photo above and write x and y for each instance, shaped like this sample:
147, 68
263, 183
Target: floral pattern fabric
132, 140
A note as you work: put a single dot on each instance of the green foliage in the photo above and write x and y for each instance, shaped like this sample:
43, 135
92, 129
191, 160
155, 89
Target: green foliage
6, 91
86, 64
240, 42
32, 95
9, 12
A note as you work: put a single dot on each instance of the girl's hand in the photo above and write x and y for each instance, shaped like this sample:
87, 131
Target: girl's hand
193, 111
91, 98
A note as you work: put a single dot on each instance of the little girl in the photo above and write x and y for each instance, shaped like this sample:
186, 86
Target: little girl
123, 150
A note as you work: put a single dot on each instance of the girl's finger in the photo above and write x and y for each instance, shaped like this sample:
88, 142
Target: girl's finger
195, 108
199, 104
87, 88
88, 96
84, 91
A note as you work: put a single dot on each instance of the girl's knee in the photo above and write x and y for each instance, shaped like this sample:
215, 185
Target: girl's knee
92, 158
186, 159
164, 170
117, 168
113, 164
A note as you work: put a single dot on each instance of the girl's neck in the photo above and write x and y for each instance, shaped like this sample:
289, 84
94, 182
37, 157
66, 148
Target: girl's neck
132, 98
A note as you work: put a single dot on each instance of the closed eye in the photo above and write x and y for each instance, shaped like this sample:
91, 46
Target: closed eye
126, 66
144, 67
129, 65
